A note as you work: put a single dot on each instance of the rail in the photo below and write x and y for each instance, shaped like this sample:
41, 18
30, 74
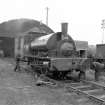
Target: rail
89, 89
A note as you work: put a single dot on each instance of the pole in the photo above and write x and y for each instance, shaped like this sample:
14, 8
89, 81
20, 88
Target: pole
103, 36
103, 28
47, 9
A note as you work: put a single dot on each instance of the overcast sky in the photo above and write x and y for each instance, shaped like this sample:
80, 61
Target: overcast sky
84, 16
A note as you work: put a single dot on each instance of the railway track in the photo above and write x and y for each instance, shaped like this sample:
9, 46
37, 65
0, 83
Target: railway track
91, 90
88, 92
84, 91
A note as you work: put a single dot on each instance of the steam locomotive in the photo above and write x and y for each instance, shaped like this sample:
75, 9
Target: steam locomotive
55, 54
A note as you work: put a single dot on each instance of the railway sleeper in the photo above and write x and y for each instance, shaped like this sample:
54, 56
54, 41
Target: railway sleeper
94, 91
91, 97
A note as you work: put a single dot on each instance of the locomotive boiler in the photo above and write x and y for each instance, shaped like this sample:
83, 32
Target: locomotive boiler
55, 54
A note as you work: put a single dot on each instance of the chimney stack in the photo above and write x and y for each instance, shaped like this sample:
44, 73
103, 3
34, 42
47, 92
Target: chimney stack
64, 28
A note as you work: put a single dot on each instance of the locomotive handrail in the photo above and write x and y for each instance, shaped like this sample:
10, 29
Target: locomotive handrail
68, 58
39, 58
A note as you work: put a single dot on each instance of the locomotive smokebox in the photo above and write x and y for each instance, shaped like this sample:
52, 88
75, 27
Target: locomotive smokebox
64, 29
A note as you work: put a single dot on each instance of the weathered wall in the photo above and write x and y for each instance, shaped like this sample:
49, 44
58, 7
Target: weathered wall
7, 46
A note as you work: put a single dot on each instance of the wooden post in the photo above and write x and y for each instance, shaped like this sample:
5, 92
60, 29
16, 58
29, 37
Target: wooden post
22, 46
19, 46
16, 46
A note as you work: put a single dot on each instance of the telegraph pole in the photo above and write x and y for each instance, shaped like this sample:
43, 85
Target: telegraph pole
47, 10
103, 29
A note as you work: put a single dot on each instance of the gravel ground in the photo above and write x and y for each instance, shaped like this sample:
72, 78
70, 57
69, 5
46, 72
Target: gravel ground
18, 88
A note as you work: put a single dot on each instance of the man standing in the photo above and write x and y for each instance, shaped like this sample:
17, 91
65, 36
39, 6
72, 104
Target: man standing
98, 67
17, 67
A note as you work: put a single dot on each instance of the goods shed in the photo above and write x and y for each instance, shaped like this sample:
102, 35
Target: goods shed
14, 33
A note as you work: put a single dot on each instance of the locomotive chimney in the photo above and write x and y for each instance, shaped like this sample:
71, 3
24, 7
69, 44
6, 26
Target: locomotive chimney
64, 29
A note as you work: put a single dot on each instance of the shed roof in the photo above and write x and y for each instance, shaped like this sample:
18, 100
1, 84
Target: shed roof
20, 26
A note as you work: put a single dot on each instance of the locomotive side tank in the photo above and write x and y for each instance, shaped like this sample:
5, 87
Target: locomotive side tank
54, 43
57, 53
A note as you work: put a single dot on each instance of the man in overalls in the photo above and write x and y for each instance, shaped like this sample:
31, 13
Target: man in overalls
17, 67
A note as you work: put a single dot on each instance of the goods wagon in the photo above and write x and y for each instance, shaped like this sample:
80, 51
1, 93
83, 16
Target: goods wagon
100, 51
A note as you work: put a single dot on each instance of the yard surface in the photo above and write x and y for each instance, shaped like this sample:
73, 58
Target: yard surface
18, 88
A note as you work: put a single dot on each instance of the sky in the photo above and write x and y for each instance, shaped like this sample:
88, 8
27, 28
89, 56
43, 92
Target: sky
84, 17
